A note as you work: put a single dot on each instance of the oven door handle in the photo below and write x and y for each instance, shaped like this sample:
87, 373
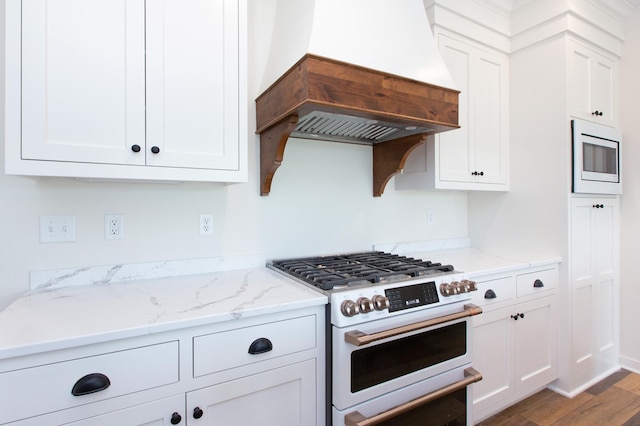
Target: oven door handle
358, 338
356, 419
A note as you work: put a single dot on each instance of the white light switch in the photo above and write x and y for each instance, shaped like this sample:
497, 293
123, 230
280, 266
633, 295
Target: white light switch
57, 229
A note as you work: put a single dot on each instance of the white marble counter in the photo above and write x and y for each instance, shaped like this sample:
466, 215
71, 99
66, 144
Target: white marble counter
475, 262
56, 318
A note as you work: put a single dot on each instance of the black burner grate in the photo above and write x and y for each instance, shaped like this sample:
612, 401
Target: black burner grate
327, 272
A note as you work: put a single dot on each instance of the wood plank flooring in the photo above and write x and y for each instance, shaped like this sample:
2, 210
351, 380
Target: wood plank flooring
615, 401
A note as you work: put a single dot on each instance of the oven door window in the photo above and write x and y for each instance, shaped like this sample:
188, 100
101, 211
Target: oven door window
599, 159
380, 363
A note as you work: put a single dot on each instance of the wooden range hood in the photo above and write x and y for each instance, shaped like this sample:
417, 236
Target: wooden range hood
326, 99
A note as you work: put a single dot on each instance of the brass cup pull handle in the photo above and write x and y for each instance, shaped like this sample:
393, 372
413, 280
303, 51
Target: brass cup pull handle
358, 338
356, 419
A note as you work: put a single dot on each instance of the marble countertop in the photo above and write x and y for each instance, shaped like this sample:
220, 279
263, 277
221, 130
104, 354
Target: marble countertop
56, 318
72, 307
474, 262
477, 262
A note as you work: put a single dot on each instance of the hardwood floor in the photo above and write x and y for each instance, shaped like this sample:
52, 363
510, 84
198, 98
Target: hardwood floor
615, 401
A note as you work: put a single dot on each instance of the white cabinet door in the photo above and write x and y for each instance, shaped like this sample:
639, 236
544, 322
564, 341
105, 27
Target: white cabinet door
126, 89
515, 350
192, 92
593, 82
535, 344
164, 412
475, 156
492, 356
594, 285
83, 80
475, 153
283, 396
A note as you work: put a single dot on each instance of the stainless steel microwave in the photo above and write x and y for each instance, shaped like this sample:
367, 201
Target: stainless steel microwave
597, 158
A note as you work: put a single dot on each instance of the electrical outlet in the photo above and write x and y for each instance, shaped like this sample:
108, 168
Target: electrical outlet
206, 224
57, 229
114, 227
430, 217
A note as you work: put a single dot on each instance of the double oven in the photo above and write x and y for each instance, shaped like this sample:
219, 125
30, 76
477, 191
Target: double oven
398, 338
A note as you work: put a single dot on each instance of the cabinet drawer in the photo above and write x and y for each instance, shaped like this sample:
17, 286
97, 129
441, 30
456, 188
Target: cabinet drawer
46, 388
228, 349
537, 282
494, 291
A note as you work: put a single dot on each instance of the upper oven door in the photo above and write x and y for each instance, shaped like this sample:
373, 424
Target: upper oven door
372, 359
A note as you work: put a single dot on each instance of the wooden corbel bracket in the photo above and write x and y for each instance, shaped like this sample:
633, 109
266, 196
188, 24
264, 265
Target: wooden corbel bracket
272, 143
389, 159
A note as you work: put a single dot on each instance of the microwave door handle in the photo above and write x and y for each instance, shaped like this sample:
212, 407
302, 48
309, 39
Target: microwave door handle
358, 338
356, 419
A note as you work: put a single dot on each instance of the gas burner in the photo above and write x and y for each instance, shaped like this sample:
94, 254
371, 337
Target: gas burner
349, 270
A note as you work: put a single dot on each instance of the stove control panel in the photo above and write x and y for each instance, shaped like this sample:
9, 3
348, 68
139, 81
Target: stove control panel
363, 304
457, 287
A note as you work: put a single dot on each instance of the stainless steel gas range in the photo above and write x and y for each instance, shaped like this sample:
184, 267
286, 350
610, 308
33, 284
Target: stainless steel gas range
398, 338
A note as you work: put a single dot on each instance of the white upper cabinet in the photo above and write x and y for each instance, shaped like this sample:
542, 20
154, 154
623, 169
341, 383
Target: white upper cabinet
593, 80
111, 84
474, 157
83, 81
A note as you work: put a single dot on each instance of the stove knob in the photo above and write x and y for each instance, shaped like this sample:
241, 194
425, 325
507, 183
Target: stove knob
349, 308
380, 303
365, 305
469, 285
455, 287
446, 290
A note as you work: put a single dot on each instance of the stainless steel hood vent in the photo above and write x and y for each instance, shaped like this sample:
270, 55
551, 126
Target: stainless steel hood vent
328, 81
350, 129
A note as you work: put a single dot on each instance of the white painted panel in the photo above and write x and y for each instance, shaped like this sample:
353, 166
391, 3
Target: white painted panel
47, 388
582, 325
192, 92
284, 396
579, 79
606, 325
83, 80
488, 116
455, 145
221, 351
491, 355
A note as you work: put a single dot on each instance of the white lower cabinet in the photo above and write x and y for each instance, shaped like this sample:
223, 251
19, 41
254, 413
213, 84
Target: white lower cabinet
266, 370
514, 339
594, 289
283, 396
162, 412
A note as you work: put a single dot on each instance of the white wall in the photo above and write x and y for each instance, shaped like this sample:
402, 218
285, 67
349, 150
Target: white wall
630, 200
320, 203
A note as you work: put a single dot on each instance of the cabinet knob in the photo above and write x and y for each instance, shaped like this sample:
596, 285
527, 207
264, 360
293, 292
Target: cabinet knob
135, 148
155, 149
176, 418
197, 413
94, 382
477, 173
598, 206
516, 316
538, 283
597, 113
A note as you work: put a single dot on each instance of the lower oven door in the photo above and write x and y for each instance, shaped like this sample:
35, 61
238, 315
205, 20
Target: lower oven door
442, 400
392, 353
